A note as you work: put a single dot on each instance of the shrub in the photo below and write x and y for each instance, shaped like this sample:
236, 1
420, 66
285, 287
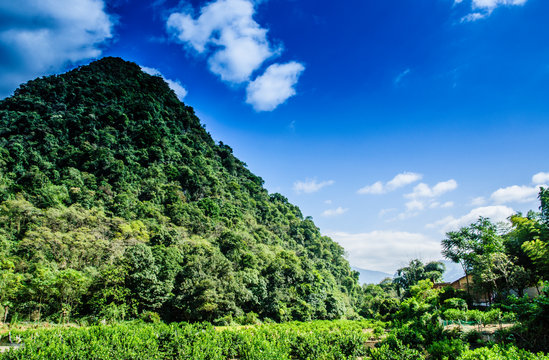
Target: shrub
448, 349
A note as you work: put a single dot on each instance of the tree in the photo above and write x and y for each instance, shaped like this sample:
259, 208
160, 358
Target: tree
469, 244
70, 285
416, 271
10, 284
537, 247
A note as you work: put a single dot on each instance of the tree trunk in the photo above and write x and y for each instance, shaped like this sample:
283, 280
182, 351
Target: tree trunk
467, 280
6, 309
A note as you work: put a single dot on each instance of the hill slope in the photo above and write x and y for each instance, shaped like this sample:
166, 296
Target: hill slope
115, 201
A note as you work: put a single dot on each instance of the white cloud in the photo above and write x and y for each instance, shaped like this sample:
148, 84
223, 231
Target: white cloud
334, 212
515, 193
496, 213
403, 179
375, 188
473, 17
175, 85
492, 4
483, 8
274, 87
423, 190
441, 223
445, 205
236, 46
310, 186
41, 37
328, 202
226, 30
401, 76
400, 180
414, 205
383, 212
540, 178
478, 201
386, 250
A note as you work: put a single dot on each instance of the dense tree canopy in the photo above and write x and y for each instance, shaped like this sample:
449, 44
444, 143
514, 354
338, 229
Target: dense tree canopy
115, 201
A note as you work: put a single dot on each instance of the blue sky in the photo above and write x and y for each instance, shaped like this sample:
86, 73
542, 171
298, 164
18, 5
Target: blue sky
388, 122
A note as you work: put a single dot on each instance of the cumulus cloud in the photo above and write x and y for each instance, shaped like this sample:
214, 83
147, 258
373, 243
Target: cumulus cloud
496, 213
175, 85
541, 178
483, 8
515, 193
274, 87
400, 180
225, 29
236, 46
310, 186
386, 250
334, 212
41, 37
423, 190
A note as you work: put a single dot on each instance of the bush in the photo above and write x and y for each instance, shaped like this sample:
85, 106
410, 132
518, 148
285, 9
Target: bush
448, 349
455, 303
501, 353
398, 351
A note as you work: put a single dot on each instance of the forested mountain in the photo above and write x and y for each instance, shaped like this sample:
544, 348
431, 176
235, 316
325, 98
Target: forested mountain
115, 201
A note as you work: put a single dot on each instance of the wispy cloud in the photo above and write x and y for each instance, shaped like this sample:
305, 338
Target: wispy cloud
483, 8
175, 85
444, 205
478, 201
414, 205
310, 186
401, 76
334, 212
41, 37
398, 181
384, 212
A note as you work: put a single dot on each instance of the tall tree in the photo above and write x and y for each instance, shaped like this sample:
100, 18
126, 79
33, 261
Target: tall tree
416, 271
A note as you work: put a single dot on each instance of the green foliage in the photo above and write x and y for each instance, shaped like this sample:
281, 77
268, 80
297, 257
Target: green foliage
317, 340
115, 201
416, 271
447, 349
501, 353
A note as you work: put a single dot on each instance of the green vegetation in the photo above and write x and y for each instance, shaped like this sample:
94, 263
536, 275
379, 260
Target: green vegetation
114, 202
119, 213
314, 340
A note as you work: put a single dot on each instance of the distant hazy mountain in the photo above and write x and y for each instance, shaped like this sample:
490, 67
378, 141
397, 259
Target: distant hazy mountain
371, 276
452, 273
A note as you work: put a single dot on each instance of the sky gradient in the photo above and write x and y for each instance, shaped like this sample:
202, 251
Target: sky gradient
388, 122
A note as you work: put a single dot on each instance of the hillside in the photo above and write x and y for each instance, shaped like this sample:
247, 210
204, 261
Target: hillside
115, 202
